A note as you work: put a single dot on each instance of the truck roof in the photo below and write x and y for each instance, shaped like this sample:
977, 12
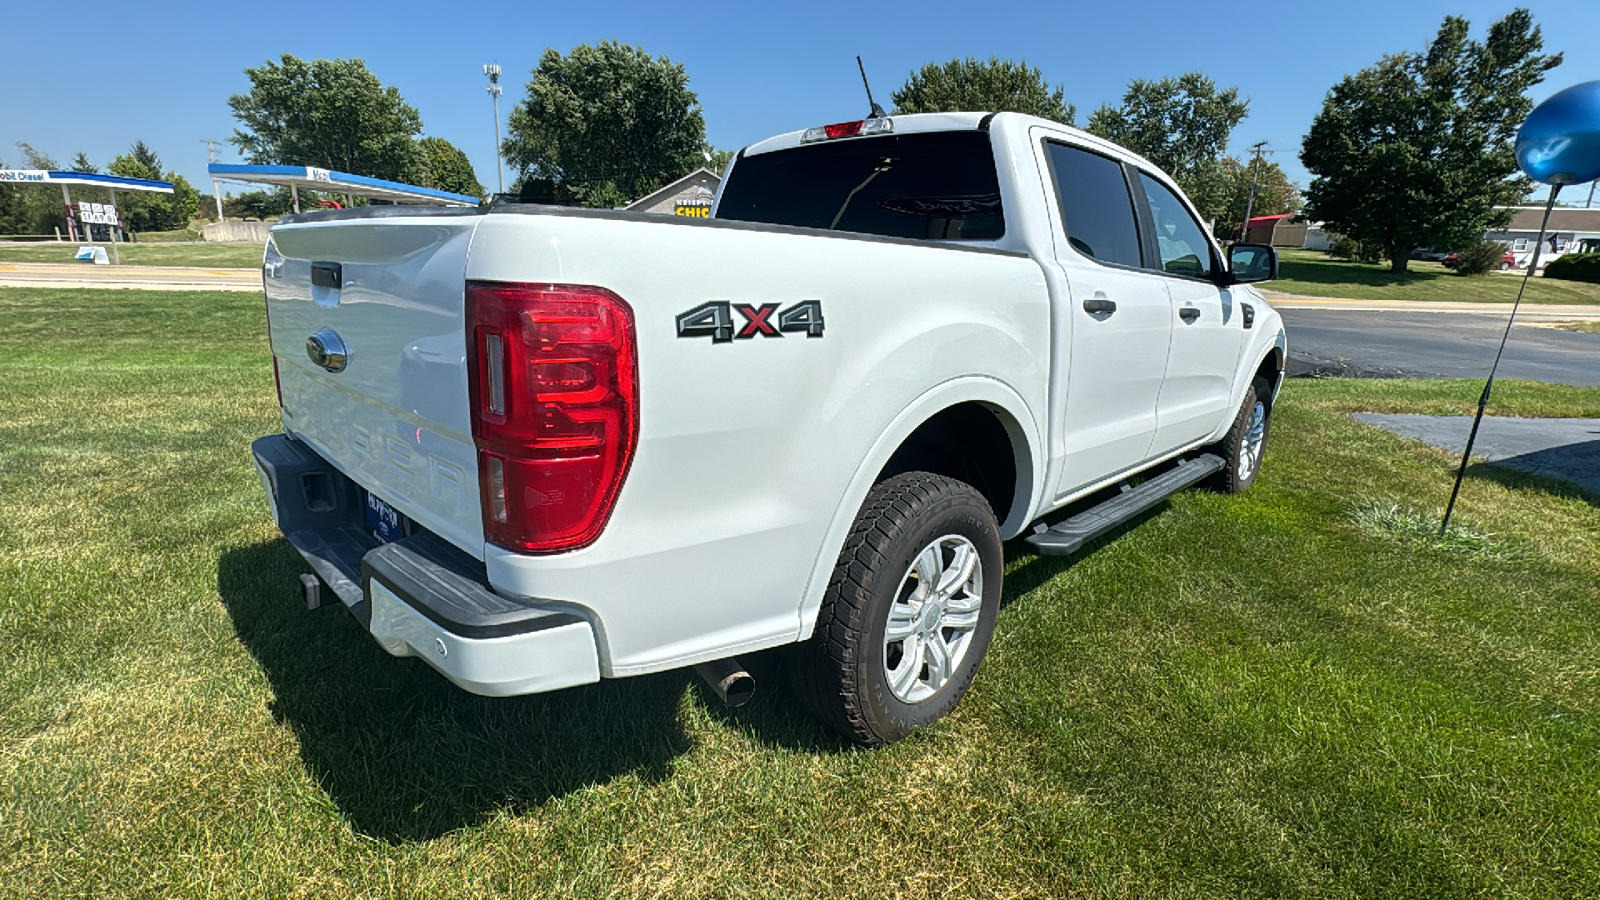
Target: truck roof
916, 123
911, 123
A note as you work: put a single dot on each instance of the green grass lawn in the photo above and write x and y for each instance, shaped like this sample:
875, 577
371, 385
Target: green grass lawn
222, 256
1295, 692
1315, 274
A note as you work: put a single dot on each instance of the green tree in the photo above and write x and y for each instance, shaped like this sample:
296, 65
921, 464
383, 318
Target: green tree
146, 157
261, 204
153, 212
973, 85
1182, 125
80, 163
138, 211
35, 159
329, 113
30, 209
183, 206
444, 167
1416, 151
719, 160
606, 124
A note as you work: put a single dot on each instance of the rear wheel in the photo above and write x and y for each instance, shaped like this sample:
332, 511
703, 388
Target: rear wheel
909, 611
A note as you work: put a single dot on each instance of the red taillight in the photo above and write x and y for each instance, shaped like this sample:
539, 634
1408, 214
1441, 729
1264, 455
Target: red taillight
860, 127
842, 129
555, 391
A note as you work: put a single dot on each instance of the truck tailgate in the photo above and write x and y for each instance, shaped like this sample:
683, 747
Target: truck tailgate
396, 417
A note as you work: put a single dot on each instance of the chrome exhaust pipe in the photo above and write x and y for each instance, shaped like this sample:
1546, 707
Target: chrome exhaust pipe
729, 680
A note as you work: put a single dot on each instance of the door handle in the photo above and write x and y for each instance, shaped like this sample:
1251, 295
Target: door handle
1189, 313
1099, 304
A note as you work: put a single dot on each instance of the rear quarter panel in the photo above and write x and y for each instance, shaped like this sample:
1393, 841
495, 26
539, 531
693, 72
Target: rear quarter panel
751, 452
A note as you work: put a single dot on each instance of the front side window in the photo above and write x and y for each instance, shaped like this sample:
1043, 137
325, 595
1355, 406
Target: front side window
1096, 208
1180, 239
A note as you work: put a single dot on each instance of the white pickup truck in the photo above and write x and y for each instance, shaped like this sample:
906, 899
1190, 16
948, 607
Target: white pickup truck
539, 446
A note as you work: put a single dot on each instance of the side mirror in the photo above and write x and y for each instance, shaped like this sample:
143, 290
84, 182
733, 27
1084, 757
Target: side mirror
1249, 263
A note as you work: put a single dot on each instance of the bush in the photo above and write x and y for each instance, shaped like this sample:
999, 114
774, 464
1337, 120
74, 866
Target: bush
1575, 267
1352, 250
1480, 257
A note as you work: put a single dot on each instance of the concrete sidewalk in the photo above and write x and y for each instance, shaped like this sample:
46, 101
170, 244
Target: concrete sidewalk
150, 278
1532, 312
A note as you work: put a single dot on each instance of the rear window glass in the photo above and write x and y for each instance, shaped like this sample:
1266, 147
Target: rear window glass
937, 186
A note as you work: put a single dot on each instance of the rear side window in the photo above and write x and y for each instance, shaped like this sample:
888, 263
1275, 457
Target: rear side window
936, 186
1097, 209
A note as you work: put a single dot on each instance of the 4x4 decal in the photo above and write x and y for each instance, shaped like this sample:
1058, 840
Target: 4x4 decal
715, 320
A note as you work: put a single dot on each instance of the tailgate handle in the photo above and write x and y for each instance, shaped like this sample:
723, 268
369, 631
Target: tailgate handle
327, 275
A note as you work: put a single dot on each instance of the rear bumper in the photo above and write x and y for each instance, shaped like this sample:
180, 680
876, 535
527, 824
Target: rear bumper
420, 596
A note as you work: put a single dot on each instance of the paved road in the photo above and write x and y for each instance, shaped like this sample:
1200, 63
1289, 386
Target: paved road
153, 278
1355, 341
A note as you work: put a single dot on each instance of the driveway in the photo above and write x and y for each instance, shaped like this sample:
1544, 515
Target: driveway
1568, 449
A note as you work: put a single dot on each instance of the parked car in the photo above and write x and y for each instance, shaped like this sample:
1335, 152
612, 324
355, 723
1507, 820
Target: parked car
1428, 254
1507, 261
537, 446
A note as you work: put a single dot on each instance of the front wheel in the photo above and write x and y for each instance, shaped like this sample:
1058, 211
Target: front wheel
1246, 442
909, 611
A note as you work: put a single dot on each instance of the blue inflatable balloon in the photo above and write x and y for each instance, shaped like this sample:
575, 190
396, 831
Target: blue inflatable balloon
1560, 142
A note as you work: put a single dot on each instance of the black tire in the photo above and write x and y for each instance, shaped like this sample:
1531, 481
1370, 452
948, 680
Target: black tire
1505, 266
1235, 478
842, 673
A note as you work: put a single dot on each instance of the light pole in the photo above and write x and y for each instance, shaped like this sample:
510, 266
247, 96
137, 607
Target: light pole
493, 71
216, 189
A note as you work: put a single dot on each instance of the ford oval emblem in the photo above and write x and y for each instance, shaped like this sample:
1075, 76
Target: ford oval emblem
328, 350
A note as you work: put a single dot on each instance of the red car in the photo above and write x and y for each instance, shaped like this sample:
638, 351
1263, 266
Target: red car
1454, 259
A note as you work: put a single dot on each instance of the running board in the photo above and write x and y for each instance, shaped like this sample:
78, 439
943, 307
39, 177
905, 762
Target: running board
1069, 535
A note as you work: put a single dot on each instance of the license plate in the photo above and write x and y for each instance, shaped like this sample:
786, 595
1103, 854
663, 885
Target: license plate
383, 520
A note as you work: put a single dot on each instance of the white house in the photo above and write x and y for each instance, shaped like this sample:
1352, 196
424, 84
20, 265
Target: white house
1571, 230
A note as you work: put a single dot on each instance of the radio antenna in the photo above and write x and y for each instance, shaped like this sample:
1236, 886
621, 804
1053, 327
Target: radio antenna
877, 111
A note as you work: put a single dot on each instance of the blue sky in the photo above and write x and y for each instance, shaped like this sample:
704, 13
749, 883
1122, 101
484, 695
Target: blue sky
108, 74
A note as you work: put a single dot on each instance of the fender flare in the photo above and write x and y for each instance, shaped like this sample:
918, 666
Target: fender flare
1026, 443
1249, 362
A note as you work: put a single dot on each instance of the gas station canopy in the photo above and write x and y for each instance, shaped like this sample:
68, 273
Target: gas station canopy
312, 178
83, 179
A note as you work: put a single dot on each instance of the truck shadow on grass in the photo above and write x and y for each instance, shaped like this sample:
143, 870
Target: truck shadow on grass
404, 754
407, 756
1521, 473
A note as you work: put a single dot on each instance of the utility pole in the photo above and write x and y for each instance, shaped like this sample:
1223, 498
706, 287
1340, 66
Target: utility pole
493, 71
1591, 193
216, 191
1250, 201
